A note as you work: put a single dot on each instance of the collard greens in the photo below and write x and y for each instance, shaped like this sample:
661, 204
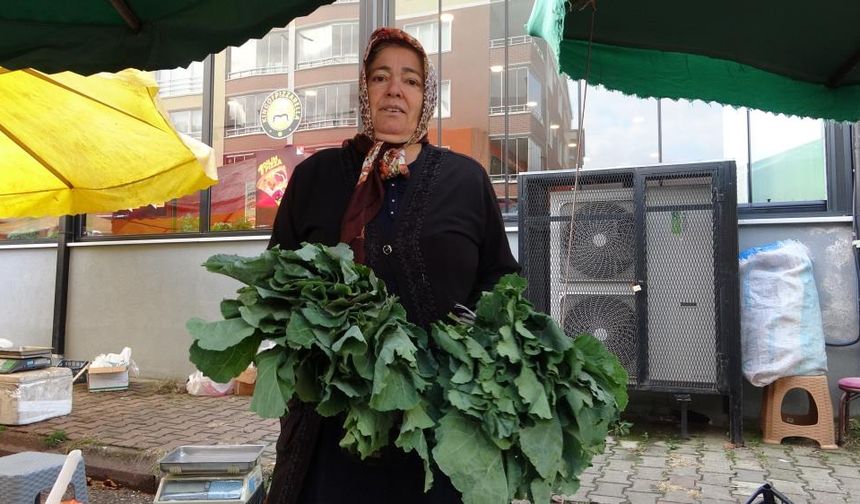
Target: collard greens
506, 405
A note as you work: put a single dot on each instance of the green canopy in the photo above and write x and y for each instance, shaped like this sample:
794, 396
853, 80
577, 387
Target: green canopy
88, 36
784, 56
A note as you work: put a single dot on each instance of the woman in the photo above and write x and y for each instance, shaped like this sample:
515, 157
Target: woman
424, 219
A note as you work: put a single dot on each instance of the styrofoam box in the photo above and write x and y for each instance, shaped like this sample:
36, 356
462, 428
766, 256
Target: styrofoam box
107, 378
32, 396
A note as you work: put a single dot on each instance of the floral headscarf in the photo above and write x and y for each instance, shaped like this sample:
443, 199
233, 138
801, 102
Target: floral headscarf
382, 160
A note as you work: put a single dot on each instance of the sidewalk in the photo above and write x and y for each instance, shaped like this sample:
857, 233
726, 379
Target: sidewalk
123, 434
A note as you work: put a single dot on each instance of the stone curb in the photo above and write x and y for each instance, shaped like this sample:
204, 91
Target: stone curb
134, 469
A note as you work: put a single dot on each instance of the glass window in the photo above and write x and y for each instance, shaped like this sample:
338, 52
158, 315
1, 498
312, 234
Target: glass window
29, 229
319, 55
327, 45
181, 97
428, 34
180, 81
329, 106
699, 131
619, 130
255, 57
444, 102
242, 114
787, 159
188, 121
523, 93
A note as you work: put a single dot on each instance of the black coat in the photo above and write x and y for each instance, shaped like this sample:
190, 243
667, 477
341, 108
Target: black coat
445, 244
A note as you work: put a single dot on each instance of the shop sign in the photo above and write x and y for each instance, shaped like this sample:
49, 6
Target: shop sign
281, 113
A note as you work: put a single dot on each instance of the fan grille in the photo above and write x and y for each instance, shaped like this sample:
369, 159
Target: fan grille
610, 319
603, 240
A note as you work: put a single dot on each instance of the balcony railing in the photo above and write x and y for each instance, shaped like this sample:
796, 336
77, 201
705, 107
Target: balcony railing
332, 60
270, 70
512, 109
178, 87
244, 130
331, 122
515, 40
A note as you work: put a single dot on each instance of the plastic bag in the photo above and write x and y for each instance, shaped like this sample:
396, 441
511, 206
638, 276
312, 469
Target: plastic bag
116, 360
781, 329
200, 385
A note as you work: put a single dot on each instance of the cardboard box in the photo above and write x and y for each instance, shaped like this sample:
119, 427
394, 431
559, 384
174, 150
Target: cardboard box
32, 396
245, 382
107, 378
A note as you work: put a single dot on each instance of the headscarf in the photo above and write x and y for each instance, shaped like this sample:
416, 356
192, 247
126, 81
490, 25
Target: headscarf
382, 160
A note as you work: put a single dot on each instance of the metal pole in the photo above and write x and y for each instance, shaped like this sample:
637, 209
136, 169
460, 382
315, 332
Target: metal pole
61, 284
207, 134
505, 102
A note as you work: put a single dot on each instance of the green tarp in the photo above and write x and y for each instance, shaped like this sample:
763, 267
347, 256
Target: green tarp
88, 36
790, 57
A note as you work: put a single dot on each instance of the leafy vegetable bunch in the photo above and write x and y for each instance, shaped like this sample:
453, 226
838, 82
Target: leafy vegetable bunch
340, 341
506, 405
525, 406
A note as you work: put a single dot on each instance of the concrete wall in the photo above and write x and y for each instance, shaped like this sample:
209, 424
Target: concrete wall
141, 295
27, 294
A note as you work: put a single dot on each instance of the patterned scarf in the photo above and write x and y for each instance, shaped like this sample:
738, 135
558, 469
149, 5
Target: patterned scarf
382, 160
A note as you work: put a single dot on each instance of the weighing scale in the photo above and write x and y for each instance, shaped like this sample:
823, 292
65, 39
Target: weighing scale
24, 358
218, 474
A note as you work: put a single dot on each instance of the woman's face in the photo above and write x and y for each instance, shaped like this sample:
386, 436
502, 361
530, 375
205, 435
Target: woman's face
395, 92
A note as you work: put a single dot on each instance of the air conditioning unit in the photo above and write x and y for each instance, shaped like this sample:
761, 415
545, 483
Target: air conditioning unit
645, 260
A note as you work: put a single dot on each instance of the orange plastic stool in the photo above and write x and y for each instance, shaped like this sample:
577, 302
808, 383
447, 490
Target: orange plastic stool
850, 390
816, 424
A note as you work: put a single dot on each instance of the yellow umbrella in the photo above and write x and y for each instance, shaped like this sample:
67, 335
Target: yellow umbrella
71, 144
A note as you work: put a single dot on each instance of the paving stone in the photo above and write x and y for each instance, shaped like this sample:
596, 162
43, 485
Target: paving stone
587, 479
852, 484
611, 476
779, 463
818, 479
619, 465
648, 473
649, 461
681, 496
716, 479
642, 497
655, 450
750, 476
787, 486
688, 482
605, 499
783, 474
799, 498
801, 460
683, 471
717, 492
826, 497
642, 485
716, 501
749, 464
850, 471
609, 489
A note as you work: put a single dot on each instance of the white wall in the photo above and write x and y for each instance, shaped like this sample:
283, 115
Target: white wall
27, 294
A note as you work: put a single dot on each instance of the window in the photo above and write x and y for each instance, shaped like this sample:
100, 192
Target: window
256, 57
181, 81
327, 45
785, 165
444, 102
188, 121
428, 34
523, 94
242, 114
518, 157
28, 229
329, 106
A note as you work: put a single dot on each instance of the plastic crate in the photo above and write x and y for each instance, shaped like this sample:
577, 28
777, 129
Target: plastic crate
75, 366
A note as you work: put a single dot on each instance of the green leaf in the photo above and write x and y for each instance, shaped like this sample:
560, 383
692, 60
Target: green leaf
230, 308
507, 346
223, 365
268, 400
472, 461
533, 393
246, 270
319, 317
393, 391
352, 342
219, 335
540, 491
299, 332
254, 314
541, 443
